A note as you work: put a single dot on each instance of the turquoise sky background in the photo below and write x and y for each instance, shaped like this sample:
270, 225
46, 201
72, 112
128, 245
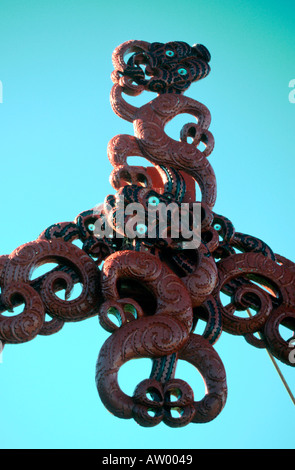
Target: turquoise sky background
55, 124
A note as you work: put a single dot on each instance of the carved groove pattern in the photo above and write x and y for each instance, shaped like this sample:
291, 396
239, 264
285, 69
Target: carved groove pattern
151, 293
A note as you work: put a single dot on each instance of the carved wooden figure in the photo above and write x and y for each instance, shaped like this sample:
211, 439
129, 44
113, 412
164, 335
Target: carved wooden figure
155, 287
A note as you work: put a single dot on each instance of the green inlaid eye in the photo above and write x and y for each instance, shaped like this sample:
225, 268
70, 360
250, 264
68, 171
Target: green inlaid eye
217, 227
170, 53
182, 71
91, 227
153, 201
141, 229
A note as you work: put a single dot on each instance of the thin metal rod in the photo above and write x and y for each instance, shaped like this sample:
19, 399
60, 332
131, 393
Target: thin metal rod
276, 366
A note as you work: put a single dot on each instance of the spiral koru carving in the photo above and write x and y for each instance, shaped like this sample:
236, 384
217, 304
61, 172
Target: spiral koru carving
146, 284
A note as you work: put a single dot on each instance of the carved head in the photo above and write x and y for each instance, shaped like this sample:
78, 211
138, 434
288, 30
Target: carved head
164, 68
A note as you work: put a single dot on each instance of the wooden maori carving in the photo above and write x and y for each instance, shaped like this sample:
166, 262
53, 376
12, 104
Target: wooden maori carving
140, 272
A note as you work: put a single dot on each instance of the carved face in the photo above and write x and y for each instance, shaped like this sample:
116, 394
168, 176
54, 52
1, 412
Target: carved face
137, 210
172, 67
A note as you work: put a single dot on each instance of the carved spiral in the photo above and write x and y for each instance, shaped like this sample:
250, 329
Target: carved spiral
152, 291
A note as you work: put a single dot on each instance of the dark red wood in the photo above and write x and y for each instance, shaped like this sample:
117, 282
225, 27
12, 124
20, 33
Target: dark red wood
150, 293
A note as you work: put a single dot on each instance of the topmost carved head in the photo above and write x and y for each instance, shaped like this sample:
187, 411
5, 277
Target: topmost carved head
158, 67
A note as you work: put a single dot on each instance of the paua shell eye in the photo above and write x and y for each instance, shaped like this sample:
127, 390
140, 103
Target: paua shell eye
153, 201
170, 53
182, 71
141, 229
91, 227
